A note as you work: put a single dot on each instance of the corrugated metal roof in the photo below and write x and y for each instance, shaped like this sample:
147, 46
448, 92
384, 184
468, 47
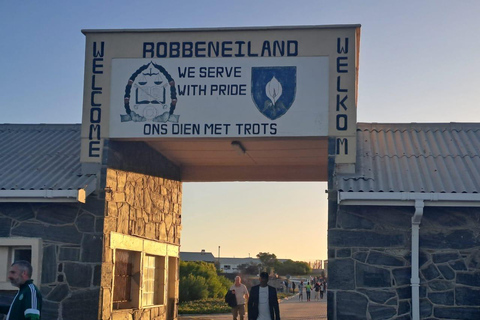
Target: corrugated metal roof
411, 157
197, 256
414, 157
238, 261
41, 157
244, 260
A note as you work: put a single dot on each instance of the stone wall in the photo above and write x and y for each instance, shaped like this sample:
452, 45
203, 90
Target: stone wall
143, 206
72, 252
369, 263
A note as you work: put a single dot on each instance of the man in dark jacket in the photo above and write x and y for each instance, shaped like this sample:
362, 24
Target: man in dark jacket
27, 304
263, 301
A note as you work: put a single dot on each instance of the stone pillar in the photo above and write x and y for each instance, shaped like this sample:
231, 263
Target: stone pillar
141, 206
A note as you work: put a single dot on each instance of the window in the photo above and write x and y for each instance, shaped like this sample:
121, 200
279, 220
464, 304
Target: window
19, 253
226, 267
172, 286
13, 249
145, 273
154, 280
126, 280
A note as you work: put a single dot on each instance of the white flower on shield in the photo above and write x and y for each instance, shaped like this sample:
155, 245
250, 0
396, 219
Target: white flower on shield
273, 90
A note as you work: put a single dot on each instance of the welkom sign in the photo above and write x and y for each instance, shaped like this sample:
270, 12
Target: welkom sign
279, 82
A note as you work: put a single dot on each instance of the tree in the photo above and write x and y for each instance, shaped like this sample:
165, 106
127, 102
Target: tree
293, 267
251, 268
268, 261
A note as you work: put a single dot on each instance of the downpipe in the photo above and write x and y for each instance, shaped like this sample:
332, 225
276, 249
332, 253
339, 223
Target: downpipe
415, 279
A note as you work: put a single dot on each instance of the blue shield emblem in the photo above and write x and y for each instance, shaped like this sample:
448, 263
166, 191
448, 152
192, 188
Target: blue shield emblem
273, 90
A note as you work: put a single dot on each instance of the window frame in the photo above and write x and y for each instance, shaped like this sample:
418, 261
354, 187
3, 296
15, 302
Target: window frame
158, 281
7, 247
144, 247
133, 286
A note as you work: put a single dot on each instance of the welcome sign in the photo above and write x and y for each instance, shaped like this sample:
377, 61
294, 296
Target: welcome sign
219, 97
234, 82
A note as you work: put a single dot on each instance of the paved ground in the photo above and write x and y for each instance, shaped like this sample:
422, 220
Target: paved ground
290, 309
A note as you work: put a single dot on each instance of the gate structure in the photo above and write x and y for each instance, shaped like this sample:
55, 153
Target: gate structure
238, 104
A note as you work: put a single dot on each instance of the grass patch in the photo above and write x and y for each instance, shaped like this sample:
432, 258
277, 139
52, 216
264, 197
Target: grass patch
212, 305
204, 306
283, 295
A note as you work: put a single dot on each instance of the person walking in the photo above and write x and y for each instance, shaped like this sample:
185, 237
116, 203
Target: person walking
308, 289
322, 289
263, 301
300, 291
316, 287
27, 304
241, 294
293, 287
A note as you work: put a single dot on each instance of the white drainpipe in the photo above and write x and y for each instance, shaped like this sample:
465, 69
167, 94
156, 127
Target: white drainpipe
415, 280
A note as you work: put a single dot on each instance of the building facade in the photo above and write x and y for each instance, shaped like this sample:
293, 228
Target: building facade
102, 246
403, 230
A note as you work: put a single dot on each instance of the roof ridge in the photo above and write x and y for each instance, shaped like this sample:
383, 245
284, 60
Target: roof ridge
39, 126
426, 156
356, 177
417, 129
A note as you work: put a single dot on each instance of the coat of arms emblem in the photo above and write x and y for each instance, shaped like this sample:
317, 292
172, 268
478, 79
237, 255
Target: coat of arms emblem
273, 90
150, 95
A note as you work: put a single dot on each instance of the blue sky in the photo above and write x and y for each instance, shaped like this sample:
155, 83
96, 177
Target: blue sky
419, 62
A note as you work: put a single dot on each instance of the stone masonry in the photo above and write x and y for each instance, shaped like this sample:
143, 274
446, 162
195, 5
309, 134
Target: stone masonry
143, 206
369, 263
76, 277
72, 252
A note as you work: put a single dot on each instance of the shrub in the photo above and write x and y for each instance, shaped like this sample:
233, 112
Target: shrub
199, 280
193, 288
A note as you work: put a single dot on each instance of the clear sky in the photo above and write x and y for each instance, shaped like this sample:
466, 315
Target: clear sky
419, 62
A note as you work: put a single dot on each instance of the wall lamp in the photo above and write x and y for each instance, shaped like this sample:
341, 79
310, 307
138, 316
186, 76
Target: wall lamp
238, 146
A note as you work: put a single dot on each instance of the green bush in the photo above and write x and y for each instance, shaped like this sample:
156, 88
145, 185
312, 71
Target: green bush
193, 288
199, 280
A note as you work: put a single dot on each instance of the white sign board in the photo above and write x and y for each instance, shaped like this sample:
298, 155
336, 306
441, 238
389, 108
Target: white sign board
234, 82
219, 97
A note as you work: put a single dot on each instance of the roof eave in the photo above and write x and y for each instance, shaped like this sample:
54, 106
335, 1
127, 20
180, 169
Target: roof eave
409, 198
79, 195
